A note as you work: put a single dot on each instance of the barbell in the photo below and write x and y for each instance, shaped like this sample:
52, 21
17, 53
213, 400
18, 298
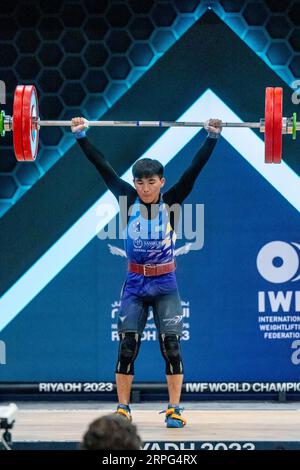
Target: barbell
25, 124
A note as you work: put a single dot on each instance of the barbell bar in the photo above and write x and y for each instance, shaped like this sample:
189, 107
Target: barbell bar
147, 124
25, 124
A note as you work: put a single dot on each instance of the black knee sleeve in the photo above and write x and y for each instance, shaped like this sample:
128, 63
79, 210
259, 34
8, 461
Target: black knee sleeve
170, 348
128, 350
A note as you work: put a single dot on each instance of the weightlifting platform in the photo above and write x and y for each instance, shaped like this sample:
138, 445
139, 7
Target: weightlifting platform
211, 425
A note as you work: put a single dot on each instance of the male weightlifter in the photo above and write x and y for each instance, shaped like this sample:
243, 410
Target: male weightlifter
150, 279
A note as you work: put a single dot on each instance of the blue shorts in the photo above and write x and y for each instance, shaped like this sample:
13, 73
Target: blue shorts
167, 311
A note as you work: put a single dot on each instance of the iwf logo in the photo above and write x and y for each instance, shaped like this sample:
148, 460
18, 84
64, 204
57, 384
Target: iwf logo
278, 262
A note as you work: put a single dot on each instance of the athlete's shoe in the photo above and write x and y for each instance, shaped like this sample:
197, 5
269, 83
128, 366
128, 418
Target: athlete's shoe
124, 410
173, 417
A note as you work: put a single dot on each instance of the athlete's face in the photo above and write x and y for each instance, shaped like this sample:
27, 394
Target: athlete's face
148, 189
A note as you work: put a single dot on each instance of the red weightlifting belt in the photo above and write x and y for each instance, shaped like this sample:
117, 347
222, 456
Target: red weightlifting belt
152, 269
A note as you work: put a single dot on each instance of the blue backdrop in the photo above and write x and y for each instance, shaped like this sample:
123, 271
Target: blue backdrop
67, 333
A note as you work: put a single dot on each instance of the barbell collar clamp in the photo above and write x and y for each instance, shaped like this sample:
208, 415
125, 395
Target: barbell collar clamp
8, 123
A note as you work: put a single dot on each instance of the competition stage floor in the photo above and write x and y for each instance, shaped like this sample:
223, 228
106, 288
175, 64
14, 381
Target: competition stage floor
211, 425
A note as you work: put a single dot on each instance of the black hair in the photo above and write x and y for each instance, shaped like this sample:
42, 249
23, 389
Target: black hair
111, 432
147, 167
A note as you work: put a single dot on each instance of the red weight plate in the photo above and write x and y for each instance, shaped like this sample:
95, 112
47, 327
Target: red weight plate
277, 123
269, 125
17, 123
30, 133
